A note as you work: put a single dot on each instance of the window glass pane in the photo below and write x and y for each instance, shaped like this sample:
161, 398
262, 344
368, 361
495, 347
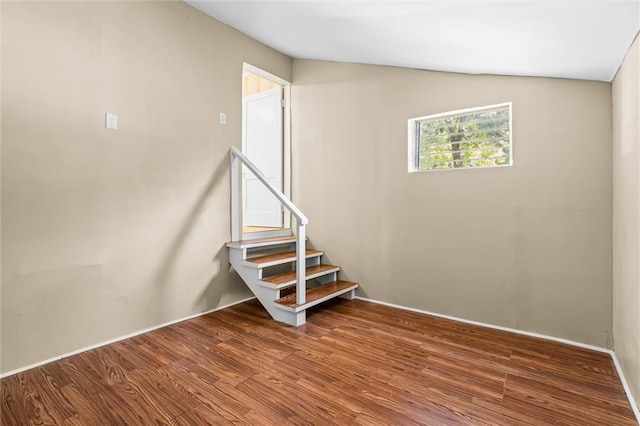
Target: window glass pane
480, 138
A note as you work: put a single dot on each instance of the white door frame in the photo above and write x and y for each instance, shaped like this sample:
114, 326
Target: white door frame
286, 149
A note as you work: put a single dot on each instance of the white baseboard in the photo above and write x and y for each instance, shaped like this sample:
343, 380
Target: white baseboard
487, 325
625, 385
117, 339
623, 380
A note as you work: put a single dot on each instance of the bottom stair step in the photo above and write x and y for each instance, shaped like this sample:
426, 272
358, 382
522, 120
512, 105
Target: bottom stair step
315, 295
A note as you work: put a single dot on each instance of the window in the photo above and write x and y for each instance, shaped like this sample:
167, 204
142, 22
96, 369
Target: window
470, 138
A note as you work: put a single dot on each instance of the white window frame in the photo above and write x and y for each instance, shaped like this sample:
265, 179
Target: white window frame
414, 143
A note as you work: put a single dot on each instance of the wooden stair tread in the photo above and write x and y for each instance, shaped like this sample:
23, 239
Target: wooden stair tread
261, 242
276, 258
317, 293
290, 276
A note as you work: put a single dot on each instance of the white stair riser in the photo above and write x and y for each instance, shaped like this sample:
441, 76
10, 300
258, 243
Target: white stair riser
350, 295
326, 279
312, 259
261, 244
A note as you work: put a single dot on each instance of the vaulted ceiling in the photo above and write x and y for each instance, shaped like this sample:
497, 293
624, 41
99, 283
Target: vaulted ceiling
570, 39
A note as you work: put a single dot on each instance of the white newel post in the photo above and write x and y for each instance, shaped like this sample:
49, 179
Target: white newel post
236, 221
301, 265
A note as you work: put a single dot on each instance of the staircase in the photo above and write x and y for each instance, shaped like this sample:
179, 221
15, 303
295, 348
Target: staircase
269, 267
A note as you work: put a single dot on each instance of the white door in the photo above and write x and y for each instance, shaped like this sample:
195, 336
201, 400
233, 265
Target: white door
262, 143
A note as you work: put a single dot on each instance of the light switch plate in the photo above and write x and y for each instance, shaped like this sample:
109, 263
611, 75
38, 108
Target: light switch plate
223, 118
111, 121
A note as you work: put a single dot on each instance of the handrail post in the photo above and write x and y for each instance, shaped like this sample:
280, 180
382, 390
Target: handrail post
236, 221
301, 265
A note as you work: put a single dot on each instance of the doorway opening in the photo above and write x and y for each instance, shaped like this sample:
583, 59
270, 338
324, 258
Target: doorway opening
265, 141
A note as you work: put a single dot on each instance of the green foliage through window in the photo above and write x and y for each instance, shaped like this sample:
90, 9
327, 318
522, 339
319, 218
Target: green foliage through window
476, 138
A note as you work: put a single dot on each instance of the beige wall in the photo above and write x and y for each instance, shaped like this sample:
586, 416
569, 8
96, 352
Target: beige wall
527, 246
626, 217
108, 232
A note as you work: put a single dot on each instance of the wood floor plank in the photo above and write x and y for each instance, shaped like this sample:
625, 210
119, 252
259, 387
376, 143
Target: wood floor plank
203, 415
202, 388
24, 403
36, 396
268, 413
309, 407
509, 415
87, 412
353, 362
559, 399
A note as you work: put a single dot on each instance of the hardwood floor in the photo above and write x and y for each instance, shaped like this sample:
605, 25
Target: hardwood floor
352, 363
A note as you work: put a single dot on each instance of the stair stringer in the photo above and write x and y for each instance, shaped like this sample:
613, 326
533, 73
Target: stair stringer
264, 294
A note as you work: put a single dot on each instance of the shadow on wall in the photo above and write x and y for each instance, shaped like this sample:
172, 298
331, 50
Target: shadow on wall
210, 297
164, 275
344, 272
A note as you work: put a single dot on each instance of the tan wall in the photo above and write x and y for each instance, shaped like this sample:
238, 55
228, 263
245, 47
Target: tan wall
626, 217
108, 232
527, 246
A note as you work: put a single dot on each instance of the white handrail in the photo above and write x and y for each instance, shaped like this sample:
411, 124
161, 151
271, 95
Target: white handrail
235, 152
236, 223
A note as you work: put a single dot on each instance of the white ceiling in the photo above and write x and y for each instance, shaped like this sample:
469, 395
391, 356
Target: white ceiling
573, 39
